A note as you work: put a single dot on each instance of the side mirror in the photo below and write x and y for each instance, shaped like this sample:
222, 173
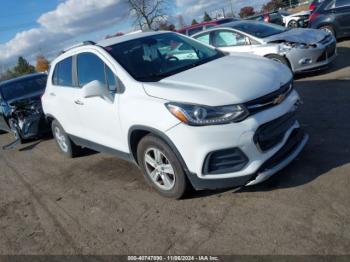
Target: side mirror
94, 89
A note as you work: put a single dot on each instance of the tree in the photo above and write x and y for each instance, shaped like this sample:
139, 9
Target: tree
148, 13
246, 11
206, 17
273, 5
194, 22
42, 65
22, 68
7, 75
166, 26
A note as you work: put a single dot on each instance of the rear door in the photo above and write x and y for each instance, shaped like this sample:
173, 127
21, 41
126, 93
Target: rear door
342, 15
64, 96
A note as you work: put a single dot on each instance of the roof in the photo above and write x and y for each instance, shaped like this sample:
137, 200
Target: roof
128, 37
29, 76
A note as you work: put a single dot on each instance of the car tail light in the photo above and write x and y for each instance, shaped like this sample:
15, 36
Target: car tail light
266, 18
313, 16
312, 7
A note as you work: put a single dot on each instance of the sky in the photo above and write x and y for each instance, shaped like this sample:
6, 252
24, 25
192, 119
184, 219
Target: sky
32, 27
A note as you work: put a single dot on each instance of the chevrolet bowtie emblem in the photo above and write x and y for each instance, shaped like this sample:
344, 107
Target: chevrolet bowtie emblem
279, 99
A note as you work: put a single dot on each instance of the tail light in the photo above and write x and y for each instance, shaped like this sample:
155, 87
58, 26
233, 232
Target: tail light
266, 18
313, 16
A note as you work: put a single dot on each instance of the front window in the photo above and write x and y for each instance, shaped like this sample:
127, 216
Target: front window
24, 87
260, 30
155, 57
228, 38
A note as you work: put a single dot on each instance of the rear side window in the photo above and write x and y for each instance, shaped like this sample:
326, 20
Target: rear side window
341, 3
63, 73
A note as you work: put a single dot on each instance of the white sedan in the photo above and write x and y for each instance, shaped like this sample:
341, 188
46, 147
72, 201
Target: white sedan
300, 49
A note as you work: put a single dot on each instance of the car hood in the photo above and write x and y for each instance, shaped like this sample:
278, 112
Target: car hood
233, 79
26, 98
298, 35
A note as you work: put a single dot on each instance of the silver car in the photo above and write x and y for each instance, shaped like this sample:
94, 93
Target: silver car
300, 49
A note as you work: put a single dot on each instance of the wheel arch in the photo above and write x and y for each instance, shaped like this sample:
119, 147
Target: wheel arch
137, 132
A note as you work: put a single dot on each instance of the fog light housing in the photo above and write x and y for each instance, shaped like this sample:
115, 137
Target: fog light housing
305, 61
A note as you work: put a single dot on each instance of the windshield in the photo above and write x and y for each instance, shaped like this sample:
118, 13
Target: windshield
155, 57
260, 30
24, 87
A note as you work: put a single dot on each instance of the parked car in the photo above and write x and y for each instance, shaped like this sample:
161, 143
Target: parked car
181, 120
333, 16
300, 49
190, 30
272, 17
20, 107
314, 4
299, 19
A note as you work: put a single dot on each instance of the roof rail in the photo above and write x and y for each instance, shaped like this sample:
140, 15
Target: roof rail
78, 45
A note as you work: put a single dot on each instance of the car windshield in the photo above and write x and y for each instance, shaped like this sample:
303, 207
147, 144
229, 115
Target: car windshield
23, 87
155, 57
260, 30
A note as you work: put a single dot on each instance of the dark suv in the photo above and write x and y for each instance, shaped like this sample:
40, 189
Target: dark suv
20, 107
332, 16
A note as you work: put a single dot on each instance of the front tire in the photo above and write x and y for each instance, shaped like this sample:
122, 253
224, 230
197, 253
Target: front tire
161, 168
328, 29
64, 143
293, 24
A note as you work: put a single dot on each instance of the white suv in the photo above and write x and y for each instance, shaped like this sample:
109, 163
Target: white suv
184, 112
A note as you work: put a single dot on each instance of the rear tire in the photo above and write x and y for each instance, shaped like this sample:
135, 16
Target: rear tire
328, 29
64, 143
161, 168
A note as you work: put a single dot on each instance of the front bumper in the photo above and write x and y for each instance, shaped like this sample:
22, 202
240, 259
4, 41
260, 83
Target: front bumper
195, 143
280, 160
306, 60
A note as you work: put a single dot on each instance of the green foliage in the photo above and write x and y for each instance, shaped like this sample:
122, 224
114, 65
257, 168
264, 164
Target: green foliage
206, 17
273, 5
194, 22
21, 68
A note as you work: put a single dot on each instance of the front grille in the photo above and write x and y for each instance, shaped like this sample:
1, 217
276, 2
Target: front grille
269, 100
224, 161
292, 143
272, 133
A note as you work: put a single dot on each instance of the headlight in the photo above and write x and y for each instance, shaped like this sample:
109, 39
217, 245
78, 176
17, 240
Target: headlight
199, 115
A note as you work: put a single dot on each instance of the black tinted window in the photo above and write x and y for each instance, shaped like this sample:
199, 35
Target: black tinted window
340, 3
24, 87
63, 73
260, 30
90, 68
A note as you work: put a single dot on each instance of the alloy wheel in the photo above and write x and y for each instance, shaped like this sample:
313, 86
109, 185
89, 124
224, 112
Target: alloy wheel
61, 139
159, 169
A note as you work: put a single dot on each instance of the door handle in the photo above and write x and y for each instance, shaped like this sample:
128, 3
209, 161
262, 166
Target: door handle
52, 94
78, 102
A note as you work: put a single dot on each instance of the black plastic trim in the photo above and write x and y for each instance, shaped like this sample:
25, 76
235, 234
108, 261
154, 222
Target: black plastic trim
100, 148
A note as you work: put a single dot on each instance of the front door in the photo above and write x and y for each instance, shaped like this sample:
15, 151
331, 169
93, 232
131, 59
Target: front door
99, 115
231, 41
